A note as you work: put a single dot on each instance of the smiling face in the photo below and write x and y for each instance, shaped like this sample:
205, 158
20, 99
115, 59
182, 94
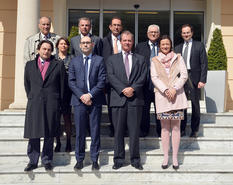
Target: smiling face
44, 25
127, 42
84, 26
165, 46
186, 33
116, 27
153, 34
45, 51
86, 45
62, 46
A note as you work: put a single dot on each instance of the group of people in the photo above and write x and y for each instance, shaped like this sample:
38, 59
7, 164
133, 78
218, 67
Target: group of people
109, 70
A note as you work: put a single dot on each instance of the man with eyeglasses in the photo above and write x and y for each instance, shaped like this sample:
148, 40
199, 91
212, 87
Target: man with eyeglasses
84, 25
112, 45
149, 49
87, 80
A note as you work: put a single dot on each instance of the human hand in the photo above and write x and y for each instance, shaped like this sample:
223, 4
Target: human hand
128, 92
200, 85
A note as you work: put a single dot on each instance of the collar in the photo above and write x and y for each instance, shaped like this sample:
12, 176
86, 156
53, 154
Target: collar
150, 43
113, 36
89, 35
189, 41
43, 36
89, 56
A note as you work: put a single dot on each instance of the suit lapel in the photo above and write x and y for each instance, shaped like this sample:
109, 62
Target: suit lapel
37, 70
92, 63
50, 69
133, 70
192, 51
121, 64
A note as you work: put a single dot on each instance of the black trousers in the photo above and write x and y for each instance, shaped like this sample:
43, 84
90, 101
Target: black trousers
122, 117
33, 150
145, 123
193, 93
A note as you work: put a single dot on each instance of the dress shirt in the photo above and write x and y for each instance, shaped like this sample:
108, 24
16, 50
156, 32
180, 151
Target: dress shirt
44, 37
118, 42
189, 52
89, 64
130, 60
151, 46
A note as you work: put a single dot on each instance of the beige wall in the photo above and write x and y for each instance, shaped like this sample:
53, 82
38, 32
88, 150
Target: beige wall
8, 19
227, 31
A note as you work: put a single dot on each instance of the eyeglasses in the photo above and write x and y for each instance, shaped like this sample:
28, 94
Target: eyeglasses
156, 32
85, 43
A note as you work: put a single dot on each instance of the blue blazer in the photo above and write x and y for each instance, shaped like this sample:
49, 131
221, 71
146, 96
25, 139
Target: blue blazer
97, 77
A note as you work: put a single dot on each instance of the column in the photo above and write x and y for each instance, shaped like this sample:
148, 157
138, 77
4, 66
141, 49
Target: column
27, 24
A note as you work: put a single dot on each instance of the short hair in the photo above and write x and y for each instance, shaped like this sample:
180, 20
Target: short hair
115, 18
152, 26
163, 37
45, 41
50, 20
187, 25
127, 32
92, 40
84, 18
62, 38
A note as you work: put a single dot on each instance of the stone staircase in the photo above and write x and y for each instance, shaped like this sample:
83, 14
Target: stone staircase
206, 160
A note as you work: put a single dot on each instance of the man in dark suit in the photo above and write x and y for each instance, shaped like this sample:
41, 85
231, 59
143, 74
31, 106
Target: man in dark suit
111, 45
194, 54
84, 25
44, 81
149, 49
87, 76
126, 74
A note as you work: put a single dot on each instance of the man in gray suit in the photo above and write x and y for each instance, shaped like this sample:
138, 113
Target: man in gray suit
84, 25
30, 47
126, 73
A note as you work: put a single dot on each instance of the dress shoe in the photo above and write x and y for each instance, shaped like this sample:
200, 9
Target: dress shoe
194, 134
164, 166
30, 167
116, 166
95, 166
175, 167
137, 166
58, 147
48, 167
182, 134
78, 166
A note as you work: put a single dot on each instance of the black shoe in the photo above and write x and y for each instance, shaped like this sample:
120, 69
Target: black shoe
30, 167
116, 166
68, 147
194, 134
137, 166
182, 134
95, 166
164, 166
175, 167
78, 166
58, 147
48, 167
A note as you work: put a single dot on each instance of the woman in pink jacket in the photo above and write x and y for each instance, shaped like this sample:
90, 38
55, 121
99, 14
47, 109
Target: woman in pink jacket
169, 74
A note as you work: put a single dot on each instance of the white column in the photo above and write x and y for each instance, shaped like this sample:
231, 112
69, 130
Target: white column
27, 24
60, 17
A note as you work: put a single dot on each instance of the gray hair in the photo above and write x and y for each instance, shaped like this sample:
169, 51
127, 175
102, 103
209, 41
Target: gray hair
50, 20
153, 26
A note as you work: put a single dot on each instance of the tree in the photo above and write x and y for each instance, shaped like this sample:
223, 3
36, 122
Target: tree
217, 59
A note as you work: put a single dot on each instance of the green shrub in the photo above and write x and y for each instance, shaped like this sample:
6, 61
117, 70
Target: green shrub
217, 59
73, 32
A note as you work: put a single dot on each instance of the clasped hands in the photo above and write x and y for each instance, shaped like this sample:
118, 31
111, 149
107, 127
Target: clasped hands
170, 94
128, 92
86, 99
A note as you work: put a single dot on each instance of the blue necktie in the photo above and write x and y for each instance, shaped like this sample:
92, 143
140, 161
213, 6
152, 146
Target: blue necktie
153, 53
86, 72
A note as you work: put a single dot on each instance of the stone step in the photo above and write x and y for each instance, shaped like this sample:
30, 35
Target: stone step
12, 172
218, 144
205, 130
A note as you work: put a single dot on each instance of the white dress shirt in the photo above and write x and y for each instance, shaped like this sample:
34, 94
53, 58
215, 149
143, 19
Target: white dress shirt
88, 69
118, 42
189, 52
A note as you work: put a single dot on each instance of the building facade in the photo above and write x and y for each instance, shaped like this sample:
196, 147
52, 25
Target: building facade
19, 19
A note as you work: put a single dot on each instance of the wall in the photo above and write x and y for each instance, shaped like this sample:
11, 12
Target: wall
227, 31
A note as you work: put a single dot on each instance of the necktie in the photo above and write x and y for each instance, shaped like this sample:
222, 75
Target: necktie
86, 73
153, 53
127, 65
115, 48
185, 54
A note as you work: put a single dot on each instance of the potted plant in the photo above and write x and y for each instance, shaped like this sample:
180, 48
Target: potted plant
216, 79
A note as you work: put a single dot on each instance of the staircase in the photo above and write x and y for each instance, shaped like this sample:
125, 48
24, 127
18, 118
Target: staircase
206, 160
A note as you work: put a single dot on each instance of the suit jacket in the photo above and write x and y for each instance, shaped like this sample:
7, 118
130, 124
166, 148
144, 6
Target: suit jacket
75, 48
143, 49
162, 81
30, 47
45, 99
107, 46
118, 80
198, 61
97, 76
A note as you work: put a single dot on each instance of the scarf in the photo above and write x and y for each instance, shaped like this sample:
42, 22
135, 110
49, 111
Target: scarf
166, 59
